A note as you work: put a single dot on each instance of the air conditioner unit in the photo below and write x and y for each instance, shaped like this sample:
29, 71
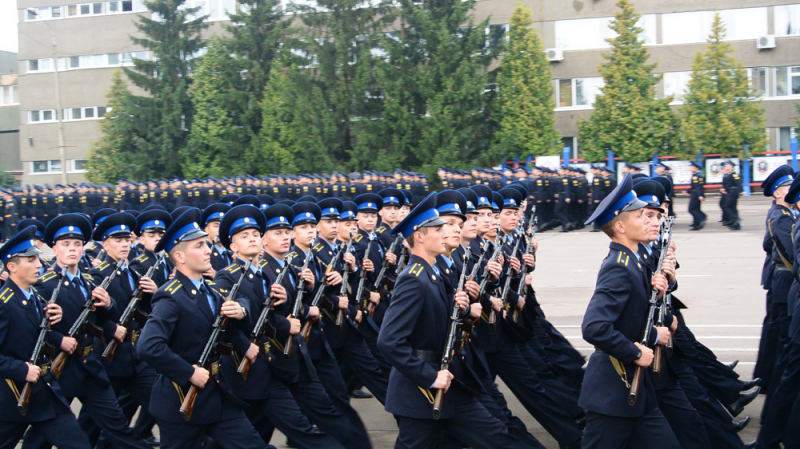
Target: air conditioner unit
767, 41
555, 54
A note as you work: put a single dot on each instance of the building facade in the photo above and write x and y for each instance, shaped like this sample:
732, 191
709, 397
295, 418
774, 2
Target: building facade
9, 115
77, 46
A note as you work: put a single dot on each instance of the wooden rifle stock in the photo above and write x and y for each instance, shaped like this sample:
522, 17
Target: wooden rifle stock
345, 274
298, 303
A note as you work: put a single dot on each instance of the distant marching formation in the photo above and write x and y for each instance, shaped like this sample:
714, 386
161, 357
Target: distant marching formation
253, 314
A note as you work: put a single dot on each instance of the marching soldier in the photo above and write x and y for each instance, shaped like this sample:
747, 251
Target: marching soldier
731, 189
210, 220
696, 196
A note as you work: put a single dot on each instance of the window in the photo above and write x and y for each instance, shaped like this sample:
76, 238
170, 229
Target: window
578, 92
46, 166
585, 34
496, 34
85, 113
40, 65
42, 116
758, 80
78, 165
785, 136
572, 144
694, 27
8, 95
787, 81
676, 84
787, 20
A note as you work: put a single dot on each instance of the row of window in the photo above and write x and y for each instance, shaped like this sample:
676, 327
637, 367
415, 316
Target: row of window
681, 28
8, 95
86, 61
84, 9
54, 166
68, 115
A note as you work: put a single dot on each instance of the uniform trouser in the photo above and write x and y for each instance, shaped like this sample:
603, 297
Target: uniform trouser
330, 376
280, 410
62, 431
713, 375
143, 427
776, 415
233, 431
358, 359
520, 378
778, 320
371, 337
766, 346
140, 387
717, 421
694, 209
555, 385
650, 430
100, 403
562, 212
682, 417
472, 424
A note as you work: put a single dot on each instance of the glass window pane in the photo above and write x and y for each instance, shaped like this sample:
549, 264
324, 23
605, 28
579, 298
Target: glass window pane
747, 23
126, 58
55, 165
33, 65
758, 80
583, 34
79, 164
113, 7
88, 112
55, 12
796, 84
101, 111
63, 63
39, 166
72, 10
565, 93
35, 116
85, 9
46, 64
127, 5
113, 59
685, 27
85, 61
76, 114
648, 25
32, 15
140, 54
580, 94
98, 60
97, 8
74, 62
47, 115
787, 20
781, 78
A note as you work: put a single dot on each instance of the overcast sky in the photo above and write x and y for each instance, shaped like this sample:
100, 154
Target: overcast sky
8, 26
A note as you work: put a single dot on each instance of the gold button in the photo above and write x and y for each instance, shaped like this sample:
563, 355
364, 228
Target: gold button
433, 277
194, 292
251, 275
277, 270
66, 282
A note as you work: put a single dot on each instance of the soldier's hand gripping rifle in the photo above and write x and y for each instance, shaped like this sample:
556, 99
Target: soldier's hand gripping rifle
83, 319
212, 345
661, 313
509, 274
474, 276
637, 374
131, 311
44, 328
364, 302
298, 303
345, 276
306, 331
382, 273
498, 248
531, 234
258, 329
450, 343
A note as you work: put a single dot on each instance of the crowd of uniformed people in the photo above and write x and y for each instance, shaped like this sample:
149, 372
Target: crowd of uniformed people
223, 310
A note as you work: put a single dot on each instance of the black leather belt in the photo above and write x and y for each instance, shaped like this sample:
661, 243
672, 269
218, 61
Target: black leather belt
428, 356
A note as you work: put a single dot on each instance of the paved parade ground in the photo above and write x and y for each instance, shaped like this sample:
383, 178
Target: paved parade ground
718, 279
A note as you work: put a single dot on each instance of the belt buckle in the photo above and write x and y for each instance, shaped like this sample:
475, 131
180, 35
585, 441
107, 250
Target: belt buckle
45, 368
86, 351
215, 368
266, 347
135, 337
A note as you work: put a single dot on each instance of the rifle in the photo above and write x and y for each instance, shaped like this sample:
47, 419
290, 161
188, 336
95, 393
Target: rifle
528, 250
474, 275
306, 331
44, 328
298, 303
509, 273
382, 273
637, 375
345, 275
662, 310
450, 343
187, 407
498, 248
402, 260
101, 255
130, 311
83, 318
258, 329
362, 281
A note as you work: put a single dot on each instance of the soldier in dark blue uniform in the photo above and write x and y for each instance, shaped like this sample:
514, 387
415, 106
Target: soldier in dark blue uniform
412, 339
21, 312
83, 377
38, 239
614, 322
210, 220
393, 200
177, 330
696, 197
731, 189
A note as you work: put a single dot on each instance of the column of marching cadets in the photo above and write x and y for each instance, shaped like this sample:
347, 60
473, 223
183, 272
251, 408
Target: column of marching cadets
222, 325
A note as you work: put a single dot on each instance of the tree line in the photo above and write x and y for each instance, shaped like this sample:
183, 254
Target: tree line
385, 84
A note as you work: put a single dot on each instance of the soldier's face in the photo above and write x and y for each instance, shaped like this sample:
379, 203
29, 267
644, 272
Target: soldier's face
68, 251
470, 228
389, 214
212, 229
246, 243
433, 240
402, 213
196, 258
304, 234
278, 241
344, 229
117, 247
25, 269
328, 229
635, 226
366, 221
452, 230
653, 217
150, 240
485, 221
508, 220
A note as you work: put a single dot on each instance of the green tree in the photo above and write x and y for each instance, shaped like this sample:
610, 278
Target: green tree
526, 125
627, 117
433, 82
114, 155
172, 36
720, 112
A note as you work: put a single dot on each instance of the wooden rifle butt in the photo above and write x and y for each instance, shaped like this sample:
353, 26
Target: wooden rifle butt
437, 403
189, 401
306, 331
339, 319
58, 364
111, 349
243, 369
287, 348
24, 399
636, 383
657, 363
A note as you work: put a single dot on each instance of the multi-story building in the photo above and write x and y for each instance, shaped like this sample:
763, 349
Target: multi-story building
9, 115
86, 42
